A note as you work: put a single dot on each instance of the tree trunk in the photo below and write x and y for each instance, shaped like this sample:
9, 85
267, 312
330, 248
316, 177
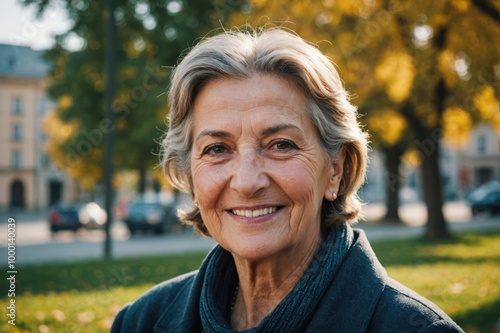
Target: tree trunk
431, 175
427, 142
393, 182
488, 9
142, 179
428, 145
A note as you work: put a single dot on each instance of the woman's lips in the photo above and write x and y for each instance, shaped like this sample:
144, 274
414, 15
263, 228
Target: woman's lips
254, 212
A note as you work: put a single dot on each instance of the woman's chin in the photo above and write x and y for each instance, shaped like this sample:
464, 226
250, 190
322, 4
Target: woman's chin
253, 249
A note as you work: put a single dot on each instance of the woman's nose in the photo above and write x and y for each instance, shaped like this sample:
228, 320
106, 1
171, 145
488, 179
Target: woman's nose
248, 174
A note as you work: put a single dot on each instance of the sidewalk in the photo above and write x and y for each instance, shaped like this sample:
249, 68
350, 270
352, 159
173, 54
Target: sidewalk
31, 251
386, 231
189, 242
133, 247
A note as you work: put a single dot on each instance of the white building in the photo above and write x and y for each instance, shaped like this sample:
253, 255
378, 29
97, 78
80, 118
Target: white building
479, 161
27, 178
462, 169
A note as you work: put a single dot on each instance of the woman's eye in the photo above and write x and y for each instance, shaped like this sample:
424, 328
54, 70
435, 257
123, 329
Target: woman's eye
215, 149
284, 145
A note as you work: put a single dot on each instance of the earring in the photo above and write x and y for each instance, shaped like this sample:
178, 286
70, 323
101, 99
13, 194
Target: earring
196, 203
334, 196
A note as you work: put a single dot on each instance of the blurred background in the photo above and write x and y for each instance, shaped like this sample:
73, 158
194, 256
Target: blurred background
425, 76
426, 79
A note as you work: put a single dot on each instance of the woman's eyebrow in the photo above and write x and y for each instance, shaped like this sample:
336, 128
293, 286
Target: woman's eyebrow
278, 128
265, 132
214, 133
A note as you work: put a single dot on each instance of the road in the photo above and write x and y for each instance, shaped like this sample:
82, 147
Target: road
34, 244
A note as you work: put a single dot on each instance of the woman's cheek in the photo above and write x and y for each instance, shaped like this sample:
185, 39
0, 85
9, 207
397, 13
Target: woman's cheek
208, 182
295, 177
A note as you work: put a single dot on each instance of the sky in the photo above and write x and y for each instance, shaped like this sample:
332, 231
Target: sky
19, 26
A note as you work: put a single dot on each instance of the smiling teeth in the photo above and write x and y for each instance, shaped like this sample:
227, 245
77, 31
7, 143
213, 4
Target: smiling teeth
254, 213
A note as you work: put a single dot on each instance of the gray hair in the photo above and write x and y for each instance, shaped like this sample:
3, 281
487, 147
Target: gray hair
241, 54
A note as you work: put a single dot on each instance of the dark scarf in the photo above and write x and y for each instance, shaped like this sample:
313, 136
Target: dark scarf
295, 311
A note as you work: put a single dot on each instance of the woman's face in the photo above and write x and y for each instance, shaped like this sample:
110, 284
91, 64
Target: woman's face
258, 170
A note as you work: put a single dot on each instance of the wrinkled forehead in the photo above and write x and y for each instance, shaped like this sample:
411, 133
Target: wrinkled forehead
252, 101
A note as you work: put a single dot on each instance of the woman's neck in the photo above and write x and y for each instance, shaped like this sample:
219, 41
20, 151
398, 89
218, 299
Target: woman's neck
263, 284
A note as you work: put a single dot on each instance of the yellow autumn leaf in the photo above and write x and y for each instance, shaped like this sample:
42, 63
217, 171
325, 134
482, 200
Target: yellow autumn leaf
85, 317
99, 84
43, 329
487, 106
445, 63
461, 5
129, 72
58, 315
107, 322
396, 72
351, 7
457, 125
130, 50
328, 3
412, 158
57, 129
495, 122
77, 162
389, 126
65, 102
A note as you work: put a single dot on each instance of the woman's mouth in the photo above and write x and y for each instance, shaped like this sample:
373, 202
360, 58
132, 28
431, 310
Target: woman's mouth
254, 212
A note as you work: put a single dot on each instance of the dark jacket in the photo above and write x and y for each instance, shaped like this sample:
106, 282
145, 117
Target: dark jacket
361, 298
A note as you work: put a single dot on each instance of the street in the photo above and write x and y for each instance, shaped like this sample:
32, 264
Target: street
35, 245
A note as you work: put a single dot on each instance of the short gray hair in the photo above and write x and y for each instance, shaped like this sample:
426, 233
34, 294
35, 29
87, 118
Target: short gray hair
283, 54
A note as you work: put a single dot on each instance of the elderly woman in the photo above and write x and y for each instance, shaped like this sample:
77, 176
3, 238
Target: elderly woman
264, 138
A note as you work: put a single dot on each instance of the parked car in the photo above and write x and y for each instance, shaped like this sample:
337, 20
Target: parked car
486, 198
64, 218
150, 216
74, 217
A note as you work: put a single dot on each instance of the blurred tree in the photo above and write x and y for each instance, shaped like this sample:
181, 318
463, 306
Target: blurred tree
150, 38
393, 142
433, 63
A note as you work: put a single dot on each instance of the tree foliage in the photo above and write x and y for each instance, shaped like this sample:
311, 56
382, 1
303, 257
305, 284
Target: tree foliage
150, 37
430, 67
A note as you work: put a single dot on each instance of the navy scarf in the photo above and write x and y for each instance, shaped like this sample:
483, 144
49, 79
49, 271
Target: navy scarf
295, 311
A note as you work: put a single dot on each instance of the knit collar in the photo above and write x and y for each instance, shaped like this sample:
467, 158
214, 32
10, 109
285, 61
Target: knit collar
295, 311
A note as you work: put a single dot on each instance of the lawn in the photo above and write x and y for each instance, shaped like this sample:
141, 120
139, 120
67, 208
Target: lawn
461, 275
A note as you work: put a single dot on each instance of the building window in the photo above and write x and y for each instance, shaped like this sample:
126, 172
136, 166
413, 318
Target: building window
481, 144
45, 161
17, 106
483, 175
41, 106
16, 159
12, 62
17, 134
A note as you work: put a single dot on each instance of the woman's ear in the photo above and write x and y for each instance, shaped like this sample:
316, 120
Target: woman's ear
336, 173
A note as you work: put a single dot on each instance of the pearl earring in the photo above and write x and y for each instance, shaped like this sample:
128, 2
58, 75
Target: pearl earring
334, 196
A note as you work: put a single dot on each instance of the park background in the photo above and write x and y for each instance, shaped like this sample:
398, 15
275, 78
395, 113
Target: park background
426, 79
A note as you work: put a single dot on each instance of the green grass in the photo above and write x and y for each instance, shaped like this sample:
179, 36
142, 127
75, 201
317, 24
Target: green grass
462, 276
